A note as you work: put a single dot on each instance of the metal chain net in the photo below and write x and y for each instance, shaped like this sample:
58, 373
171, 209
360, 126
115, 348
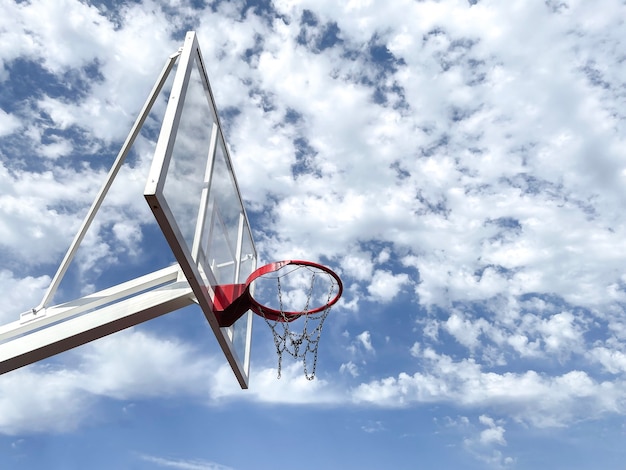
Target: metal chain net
300, 345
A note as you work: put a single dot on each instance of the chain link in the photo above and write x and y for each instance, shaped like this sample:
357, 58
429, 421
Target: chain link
291, 342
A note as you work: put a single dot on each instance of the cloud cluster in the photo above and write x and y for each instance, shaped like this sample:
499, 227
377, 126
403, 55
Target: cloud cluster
130, 365
431, 150
534, 398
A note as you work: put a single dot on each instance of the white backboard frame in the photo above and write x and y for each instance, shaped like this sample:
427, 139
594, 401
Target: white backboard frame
189, 254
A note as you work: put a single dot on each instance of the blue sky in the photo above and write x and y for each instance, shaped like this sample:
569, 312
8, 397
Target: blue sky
460, 163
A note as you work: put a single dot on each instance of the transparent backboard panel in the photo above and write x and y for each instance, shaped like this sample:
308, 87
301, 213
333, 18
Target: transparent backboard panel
194, 195
190, 161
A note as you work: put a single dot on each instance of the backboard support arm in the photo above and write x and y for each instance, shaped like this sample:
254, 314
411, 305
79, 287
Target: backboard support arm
117, 164
48, 330
75, 323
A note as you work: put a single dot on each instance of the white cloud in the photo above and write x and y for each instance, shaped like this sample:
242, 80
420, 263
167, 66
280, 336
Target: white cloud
57, 148
133, 363
383, 256
613, 361
30, 225
493, 434
386, 285
464, 331
483, 440
349, 368
530, 397
358, 266
55, 36
523, 346
561, 334
493, 168
19, 294
373, 426
484, 445
184, 464
292, 388
8, 123
128, 365
366, 341
36, 400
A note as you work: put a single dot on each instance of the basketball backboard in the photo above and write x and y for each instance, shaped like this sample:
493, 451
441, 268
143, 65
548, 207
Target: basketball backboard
193, 193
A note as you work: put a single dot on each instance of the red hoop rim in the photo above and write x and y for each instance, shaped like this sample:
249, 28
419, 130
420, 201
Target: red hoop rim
277, 315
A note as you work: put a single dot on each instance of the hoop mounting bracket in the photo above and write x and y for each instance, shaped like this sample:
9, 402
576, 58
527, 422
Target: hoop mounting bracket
230, 303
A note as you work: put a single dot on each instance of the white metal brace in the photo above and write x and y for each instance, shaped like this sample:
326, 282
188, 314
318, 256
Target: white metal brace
45, 331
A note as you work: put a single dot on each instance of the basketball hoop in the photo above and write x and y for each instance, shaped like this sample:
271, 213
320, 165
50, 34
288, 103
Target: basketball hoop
289, 290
